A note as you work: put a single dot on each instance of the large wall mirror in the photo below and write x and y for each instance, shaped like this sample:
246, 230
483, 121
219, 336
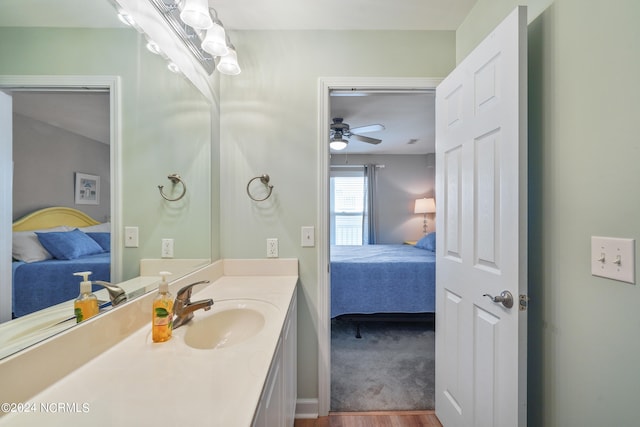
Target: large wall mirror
89, 100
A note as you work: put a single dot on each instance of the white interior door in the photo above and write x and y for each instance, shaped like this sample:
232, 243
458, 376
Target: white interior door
6, 203
481, 174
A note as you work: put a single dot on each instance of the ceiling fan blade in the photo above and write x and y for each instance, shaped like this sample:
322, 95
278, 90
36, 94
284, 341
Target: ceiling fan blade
369, 128
366, 139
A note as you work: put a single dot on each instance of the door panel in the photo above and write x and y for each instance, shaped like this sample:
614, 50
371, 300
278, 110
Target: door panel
481, 241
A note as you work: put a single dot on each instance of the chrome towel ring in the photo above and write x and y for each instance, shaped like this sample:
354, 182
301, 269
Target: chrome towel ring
175, 179
263, 179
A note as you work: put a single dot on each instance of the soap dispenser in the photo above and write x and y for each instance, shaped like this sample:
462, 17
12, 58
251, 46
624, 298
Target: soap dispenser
86, 305
162, 315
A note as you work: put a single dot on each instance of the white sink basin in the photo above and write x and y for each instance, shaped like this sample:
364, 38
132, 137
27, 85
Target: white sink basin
229, 323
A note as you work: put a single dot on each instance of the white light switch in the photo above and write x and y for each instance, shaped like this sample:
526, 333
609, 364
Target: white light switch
308, 237
613, 258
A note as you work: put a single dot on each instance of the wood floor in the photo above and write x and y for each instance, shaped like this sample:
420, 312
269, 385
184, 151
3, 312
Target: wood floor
374, 419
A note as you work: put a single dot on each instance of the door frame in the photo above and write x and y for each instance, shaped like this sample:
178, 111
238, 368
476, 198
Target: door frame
325, 85
88, 83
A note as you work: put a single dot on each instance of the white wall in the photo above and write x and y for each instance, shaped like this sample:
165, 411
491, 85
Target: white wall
45, 161
269, 124
584, 64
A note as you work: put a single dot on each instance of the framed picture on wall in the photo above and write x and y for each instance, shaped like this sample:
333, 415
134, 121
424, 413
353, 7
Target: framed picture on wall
87, 189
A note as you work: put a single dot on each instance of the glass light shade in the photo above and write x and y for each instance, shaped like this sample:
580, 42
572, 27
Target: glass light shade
195, 13
338, 144
425, 206
215, 41
229, 63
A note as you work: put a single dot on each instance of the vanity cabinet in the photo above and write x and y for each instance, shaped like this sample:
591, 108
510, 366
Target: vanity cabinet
278, 401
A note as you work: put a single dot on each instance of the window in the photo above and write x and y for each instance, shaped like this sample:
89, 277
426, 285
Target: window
348, 218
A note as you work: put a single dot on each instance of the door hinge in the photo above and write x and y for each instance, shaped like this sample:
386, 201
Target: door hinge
524, 302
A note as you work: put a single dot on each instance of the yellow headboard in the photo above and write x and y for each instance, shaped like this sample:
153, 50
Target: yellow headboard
53, 217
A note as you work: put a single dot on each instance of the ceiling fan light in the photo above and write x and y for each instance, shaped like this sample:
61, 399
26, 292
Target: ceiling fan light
215, 42
195, 13
228, 64
338, 144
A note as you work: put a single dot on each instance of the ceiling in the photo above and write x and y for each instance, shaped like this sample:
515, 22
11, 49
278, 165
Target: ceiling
406, 117
83, 113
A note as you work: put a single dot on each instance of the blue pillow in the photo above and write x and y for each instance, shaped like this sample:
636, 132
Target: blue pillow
428, 242
103, 239
69, 244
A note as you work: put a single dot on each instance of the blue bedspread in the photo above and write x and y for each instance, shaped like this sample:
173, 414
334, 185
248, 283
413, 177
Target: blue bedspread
382, 279
38, 285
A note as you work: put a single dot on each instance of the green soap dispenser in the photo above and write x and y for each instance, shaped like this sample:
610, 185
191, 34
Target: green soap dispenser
86, 305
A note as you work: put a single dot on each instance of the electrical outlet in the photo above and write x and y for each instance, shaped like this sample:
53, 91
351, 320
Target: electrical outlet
272, 248
167, 248
131, 237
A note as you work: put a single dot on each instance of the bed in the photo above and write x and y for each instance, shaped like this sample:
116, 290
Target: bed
49, 245
374, 279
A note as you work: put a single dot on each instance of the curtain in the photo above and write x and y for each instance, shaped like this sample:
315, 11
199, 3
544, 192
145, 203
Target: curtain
369, 219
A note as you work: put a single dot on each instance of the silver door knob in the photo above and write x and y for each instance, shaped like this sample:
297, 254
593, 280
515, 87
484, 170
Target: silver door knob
505, 298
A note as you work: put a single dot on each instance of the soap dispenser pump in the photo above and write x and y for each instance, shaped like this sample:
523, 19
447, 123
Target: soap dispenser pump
86, 305
162, 314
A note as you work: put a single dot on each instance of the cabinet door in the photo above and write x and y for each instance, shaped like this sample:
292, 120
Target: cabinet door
289, 363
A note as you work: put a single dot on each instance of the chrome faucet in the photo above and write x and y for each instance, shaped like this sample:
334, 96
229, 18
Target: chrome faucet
117, 295
183, 308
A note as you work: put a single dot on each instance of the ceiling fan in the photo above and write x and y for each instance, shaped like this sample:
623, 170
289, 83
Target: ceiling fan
339, 133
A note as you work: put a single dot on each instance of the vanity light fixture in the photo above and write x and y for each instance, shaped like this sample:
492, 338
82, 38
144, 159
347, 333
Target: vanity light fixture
198, 26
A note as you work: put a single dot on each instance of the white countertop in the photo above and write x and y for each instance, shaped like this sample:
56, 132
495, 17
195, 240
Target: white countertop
140, 383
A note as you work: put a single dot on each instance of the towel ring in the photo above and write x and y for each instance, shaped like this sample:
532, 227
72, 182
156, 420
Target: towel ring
263, 179
174, 178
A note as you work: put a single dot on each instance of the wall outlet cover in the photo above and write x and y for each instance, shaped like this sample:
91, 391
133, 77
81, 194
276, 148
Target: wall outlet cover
272, 248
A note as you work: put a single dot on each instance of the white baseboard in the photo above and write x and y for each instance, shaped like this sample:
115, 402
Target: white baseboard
307, 408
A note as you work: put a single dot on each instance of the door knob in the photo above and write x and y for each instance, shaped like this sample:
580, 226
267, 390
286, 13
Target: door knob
505, 298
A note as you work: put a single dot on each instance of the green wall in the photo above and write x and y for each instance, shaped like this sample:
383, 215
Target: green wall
584, 64
269, 124
166, 128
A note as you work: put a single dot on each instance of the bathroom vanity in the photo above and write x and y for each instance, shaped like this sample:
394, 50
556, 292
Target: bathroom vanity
234, 365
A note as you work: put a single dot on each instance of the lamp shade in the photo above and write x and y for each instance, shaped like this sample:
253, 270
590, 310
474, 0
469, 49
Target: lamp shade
195, 13
425, 205
229, 63
215, 41
338, 144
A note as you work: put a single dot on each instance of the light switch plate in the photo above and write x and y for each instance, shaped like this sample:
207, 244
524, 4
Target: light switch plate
308, 237
131, 237
613, 258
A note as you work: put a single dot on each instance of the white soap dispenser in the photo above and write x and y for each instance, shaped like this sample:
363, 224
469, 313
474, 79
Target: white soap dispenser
162, 312
86, 305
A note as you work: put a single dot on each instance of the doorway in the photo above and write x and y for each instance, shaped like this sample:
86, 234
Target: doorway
110, 87
324, 324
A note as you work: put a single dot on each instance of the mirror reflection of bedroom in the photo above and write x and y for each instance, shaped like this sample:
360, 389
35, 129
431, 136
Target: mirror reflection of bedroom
61, 156
382, 250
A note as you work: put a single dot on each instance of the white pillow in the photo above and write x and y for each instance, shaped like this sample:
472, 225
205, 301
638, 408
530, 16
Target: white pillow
105, 227
27, 247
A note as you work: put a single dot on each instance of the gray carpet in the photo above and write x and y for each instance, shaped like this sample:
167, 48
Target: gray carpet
392, 367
